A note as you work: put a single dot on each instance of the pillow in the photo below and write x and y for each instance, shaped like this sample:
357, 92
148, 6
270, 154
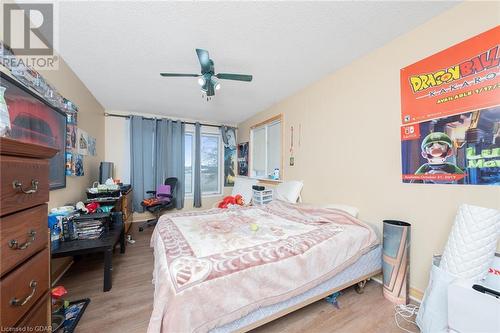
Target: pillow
472, 242
289, 191
243, 187
353, 211
163, 189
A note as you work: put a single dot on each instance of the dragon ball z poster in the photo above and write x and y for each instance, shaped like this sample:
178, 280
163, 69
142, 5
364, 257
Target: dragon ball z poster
450, 112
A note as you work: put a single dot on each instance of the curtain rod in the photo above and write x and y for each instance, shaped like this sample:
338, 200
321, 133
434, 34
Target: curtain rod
185, 122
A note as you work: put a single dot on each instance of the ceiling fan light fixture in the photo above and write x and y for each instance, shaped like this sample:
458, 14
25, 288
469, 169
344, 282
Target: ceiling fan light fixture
201, 81
215, 83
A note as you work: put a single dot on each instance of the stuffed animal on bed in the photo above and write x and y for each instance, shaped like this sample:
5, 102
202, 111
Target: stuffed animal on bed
230, 200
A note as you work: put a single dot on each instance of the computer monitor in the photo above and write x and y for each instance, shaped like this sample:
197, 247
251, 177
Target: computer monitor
105, 171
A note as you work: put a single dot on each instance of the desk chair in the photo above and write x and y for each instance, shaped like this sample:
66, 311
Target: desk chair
166, 201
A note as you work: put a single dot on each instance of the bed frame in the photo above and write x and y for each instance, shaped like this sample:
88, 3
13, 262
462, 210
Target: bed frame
358, 283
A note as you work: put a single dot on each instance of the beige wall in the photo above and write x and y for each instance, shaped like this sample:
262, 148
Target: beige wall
90, 119
350, 143
117, 148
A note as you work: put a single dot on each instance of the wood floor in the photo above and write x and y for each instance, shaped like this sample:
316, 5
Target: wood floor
127, 307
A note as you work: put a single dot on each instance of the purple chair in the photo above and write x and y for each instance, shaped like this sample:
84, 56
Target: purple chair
165, 194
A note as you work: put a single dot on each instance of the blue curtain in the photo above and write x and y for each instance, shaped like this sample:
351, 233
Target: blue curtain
142, 134
157, 152
197, 166
175, 158
161, 145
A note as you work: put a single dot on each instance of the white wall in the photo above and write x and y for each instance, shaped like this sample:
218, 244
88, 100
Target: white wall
117, 146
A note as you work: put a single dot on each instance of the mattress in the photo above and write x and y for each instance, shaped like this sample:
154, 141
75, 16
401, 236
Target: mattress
246, 259
368, 263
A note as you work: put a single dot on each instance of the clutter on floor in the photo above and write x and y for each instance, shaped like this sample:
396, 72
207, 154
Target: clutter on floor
66, 314
333, 299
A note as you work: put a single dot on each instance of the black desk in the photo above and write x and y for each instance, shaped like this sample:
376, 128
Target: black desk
105, 244
103, 200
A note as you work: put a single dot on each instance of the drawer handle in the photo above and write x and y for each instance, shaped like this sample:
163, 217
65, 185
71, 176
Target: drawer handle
17, 302
17, 185
13, 244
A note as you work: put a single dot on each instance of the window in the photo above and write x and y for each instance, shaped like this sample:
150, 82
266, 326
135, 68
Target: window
265, 140
211, 157
210, 174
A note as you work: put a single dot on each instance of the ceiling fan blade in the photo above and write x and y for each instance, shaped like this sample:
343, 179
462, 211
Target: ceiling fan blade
235, 77
204, 60
179, 75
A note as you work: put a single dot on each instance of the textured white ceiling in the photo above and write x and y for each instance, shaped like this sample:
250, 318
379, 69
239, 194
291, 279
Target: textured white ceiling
118, 49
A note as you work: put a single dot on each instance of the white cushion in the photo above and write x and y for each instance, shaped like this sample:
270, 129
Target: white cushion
472, 242
243, 187
289, 191
353, 211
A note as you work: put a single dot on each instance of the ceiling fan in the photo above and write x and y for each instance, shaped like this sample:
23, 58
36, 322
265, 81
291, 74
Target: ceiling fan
208, 80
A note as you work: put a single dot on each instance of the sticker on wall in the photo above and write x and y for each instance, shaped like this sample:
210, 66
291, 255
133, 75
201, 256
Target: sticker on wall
79, 165
82, 142
71, 134
91, 145
450, 113
72, 118
70, 164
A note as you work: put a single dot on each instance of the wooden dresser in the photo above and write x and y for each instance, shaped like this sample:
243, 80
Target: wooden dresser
124, 205
24, 238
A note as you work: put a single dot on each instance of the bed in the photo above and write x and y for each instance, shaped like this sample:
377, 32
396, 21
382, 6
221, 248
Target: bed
236, 269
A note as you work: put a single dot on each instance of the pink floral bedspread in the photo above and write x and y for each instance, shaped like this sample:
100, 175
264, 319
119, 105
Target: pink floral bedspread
216, 266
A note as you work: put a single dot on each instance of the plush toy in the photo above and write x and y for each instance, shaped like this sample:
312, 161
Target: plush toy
230, 200
239, 200
92, 207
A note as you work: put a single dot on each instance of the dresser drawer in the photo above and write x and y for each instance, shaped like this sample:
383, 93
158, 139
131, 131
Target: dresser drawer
21, 235
24, 183
23, 287
36, 320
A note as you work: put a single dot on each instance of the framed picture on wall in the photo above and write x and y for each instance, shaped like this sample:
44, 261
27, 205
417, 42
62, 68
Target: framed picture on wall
243, 159
34, 120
